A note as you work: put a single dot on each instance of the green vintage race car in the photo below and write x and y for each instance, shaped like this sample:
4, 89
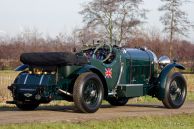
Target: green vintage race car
99, 72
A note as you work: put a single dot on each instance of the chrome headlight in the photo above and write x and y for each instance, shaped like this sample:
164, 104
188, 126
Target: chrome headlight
163, 61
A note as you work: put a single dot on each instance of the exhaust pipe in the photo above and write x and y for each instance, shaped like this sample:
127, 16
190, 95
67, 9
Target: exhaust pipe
65, 92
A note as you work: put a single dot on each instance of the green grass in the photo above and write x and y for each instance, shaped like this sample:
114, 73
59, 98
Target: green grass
6, 78
184, 121
149, 99
190, 96
190, 81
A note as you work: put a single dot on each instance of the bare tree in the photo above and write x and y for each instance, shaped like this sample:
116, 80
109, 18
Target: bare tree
114, 18
175, 20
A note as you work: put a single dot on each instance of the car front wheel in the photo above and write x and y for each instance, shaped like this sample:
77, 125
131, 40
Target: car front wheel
175, 92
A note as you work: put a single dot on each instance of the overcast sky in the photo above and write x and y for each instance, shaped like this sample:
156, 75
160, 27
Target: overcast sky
54, 16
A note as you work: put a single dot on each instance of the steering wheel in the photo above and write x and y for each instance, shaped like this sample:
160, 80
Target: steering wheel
102, 52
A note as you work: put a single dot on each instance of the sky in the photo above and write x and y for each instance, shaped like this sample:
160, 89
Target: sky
52, 17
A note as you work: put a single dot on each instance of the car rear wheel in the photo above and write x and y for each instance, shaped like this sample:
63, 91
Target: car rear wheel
175, 92
27, 107
88, 92
114, 101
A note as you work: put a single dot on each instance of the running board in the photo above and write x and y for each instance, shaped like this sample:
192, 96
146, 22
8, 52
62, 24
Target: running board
131, 90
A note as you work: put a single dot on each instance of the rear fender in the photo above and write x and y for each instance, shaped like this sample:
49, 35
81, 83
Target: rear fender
163, 78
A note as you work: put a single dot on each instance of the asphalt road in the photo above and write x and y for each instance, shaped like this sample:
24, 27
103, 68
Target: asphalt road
69, 114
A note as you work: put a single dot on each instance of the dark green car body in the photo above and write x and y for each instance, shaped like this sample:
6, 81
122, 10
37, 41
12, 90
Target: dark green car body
132, 72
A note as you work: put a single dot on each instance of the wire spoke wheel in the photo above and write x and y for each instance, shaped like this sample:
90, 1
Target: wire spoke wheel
176, 91
91, 93
88, 92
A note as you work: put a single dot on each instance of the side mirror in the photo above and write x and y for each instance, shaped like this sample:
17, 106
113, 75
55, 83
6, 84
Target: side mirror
163, 61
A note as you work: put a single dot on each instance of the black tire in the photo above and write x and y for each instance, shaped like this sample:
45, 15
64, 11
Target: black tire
117, 101
27, 107
175, 92
88, 92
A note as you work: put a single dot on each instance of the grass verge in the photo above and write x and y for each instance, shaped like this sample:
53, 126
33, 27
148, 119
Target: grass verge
184, 121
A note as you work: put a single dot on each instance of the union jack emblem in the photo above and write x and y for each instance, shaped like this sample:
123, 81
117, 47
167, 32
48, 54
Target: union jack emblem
108, 73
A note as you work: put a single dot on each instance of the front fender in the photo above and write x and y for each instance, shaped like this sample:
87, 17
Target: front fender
163, 78
86, 68
90, 68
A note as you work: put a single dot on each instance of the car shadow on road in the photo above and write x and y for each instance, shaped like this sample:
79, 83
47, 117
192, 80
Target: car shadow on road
135, 105
42, 108
72, 109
